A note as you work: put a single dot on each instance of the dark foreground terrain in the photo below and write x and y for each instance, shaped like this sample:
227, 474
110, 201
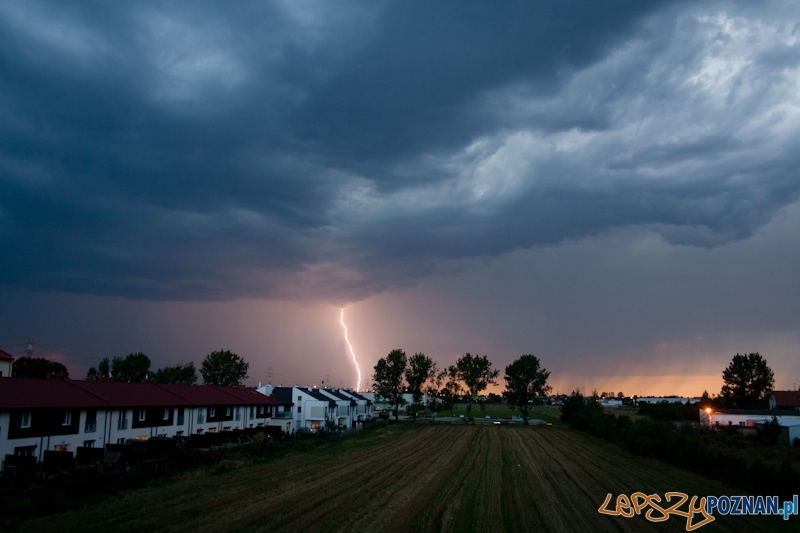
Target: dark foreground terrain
413, 477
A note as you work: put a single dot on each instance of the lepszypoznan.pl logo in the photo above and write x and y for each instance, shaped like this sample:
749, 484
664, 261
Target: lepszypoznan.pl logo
698, 511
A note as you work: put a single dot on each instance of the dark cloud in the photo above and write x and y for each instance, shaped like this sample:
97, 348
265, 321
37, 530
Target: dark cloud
300, 150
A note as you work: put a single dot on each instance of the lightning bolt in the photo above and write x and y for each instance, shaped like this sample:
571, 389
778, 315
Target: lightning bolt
341, 319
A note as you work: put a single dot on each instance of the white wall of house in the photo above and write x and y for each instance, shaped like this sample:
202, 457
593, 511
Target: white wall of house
363, 409
5, 368
344, 412
740, 419
114, 426
309, 412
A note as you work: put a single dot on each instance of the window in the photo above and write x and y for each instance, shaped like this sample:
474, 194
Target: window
299, 409
25, 451
299, 399
212, 430
61, 447
166, 413
121, 440
252, 412
91, 421
122, 422
200, 431
67, 418
179, 433
142, 415
212, 412
238, 414
228, 411
88, 444
26, 420
200, 418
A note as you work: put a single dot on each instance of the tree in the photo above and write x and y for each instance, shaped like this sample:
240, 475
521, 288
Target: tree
525, 380
477, 374
103, 370
224, 368
433, 389
452, 388
388, 378
37, 367
420, 369
135, 367
172, 374
748, 381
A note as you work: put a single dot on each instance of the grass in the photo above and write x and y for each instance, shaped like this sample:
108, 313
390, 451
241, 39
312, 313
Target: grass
500, 410
411, 477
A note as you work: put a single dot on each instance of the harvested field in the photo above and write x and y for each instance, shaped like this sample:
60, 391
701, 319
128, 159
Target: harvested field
411, 477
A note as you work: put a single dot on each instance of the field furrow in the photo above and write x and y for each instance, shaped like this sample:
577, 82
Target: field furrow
408, 478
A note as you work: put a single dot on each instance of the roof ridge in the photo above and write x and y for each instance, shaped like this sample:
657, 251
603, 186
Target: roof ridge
229, 393
162, 386
75, 384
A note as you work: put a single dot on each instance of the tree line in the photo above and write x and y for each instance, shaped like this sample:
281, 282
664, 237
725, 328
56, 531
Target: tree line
221, 367
419, 375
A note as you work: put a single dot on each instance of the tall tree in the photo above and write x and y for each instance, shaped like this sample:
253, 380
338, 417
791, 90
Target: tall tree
103, 370
134, 368
37, 367
418, 372
451, 389
224, 368
525, 380
388, 378
748, 381
173, 374
477, 374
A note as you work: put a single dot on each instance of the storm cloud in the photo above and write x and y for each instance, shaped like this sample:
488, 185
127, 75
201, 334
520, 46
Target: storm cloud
290, 150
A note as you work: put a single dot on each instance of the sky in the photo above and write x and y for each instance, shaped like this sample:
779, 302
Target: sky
613, 187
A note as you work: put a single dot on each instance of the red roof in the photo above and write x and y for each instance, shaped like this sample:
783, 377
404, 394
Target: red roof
787, 398
28, 393
5, 356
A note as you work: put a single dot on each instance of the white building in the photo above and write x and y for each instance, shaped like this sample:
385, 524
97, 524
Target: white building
40, 415
6, 363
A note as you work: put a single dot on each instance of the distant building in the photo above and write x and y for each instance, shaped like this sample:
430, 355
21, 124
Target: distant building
667, 399
753, 418
312, 408
6, 362
785, 399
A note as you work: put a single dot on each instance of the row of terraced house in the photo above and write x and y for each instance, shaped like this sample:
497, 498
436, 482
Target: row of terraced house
63, 415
